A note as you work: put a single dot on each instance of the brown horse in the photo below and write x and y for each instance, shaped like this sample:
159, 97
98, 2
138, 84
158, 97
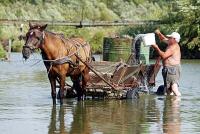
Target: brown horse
61, 58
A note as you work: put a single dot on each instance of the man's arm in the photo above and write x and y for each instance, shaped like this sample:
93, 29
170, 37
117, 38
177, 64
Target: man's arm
161, 36
163, 55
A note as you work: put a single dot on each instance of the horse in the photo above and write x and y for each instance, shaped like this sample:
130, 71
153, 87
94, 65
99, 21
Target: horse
61, 57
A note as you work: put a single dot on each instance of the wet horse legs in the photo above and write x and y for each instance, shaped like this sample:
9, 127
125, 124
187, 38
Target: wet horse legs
78, 88
53, 88
85, 79
62, 86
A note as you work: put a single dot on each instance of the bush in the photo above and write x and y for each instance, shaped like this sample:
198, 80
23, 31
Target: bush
96, 42
2, 52
17, 46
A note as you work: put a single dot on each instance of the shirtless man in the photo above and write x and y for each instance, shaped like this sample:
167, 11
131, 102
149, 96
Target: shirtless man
171, 61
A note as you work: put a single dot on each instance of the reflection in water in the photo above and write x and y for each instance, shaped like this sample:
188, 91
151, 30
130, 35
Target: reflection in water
103, 116
59, 120
80, 124
171, 115
52, 126
53, 122
117, 116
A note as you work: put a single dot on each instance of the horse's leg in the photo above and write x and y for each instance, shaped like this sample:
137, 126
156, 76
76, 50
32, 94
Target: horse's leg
79, 90
77, 87
62, 88
52, 80
85, 79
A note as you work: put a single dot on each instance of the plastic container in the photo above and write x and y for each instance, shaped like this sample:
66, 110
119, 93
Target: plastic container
149, 39
144, 53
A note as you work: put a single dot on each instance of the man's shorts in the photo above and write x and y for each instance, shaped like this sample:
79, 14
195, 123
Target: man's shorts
171, 75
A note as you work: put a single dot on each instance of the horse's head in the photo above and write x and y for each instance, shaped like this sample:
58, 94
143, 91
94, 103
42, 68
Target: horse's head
34, 39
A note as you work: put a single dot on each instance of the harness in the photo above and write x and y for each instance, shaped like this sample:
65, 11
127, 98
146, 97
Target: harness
67, 59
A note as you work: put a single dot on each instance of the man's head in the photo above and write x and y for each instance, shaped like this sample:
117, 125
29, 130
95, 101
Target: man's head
175, 36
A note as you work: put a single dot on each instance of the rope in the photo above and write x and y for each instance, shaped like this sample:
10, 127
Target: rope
49, 69
36, 63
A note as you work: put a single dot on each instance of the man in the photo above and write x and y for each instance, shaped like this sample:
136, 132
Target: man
171, 61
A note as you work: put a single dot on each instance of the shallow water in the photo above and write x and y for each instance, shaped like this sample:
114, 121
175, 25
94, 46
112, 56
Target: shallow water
26, 105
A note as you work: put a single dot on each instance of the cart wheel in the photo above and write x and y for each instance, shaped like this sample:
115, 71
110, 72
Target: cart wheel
132, 94
160, 90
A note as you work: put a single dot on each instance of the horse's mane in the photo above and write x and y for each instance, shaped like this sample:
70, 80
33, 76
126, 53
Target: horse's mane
62, 35
59, 35
53, 33
73, 41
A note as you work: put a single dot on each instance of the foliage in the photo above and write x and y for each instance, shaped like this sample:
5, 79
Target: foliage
77, 10
17, 46
96, 40
2, 52
176, 15
185, 14
96, 10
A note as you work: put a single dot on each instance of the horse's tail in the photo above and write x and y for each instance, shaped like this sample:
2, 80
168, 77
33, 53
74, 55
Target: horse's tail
89, 58
88, 52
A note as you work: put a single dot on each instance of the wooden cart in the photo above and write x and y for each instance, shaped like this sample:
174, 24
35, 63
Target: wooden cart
120, 80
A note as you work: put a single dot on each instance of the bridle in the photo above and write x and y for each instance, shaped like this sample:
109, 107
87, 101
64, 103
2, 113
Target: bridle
37, 44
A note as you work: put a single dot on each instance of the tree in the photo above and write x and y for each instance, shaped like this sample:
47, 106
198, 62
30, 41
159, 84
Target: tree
187, 16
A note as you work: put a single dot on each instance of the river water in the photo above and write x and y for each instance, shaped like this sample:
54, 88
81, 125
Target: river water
26, 105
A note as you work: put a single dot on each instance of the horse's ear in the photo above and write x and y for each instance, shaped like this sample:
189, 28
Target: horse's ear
30, 25
43, 27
